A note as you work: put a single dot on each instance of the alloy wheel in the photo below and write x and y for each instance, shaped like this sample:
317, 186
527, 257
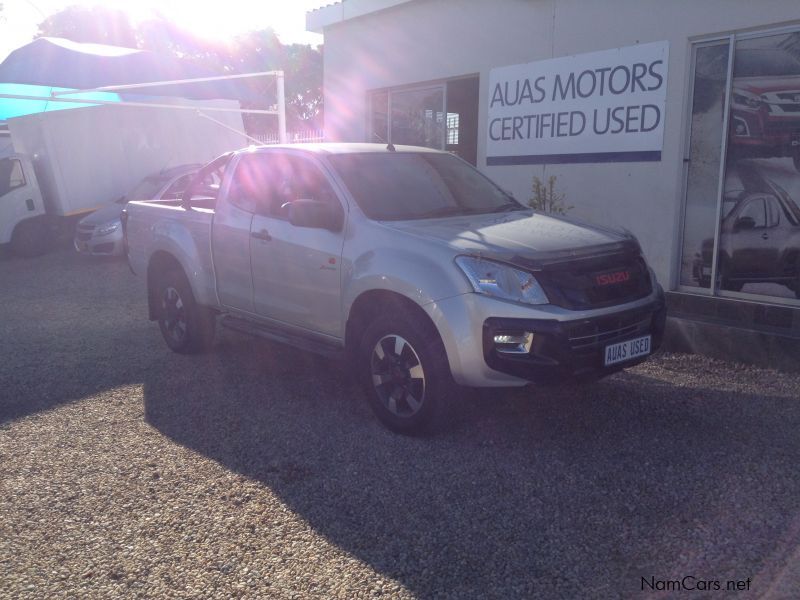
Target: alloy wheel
398, 376
174, 314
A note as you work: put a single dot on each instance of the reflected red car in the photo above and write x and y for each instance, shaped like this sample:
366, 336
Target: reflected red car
765, 105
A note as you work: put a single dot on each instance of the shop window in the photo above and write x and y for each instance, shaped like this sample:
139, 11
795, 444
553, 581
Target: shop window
379, 117
443, 116
417, 117
741, 234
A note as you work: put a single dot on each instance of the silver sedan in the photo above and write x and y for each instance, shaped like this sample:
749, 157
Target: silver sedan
100, 233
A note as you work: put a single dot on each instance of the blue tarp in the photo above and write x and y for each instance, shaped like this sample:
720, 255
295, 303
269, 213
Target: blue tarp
12, 107
65, 64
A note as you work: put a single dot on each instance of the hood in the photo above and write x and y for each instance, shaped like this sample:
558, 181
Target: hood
103, 215
760, 85
524, 237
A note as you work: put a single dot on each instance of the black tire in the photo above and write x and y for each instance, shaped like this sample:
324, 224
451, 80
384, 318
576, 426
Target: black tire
414, 396
30, 238
187, 327
725, 282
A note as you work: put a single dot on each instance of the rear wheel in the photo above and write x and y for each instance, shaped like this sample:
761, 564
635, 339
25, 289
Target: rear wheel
30, 238
725, 281
187, 327
403, 367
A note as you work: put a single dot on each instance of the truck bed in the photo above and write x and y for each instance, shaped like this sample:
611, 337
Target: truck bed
166, 225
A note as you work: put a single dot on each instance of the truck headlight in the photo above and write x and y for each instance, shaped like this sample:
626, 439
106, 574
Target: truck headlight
108, 228
501, 281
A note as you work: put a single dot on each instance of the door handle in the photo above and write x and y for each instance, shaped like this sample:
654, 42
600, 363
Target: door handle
262, 235
764, 236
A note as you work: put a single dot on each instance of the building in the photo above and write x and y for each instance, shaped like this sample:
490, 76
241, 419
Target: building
677, 120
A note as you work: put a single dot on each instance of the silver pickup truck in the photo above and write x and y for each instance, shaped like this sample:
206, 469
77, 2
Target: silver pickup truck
406, 261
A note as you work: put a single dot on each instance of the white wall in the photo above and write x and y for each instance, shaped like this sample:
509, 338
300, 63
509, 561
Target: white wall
436, 39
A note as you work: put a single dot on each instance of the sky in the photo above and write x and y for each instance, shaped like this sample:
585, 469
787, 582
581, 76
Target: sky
19, 18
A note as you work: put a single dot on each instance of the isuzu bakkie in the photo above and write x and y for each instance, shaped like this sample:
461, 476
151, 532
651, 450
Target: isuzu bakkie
405, 261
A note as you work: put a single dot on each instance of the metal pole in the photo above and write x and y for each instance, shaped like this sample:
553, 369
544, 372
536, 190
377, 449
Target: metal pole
145, 104
133, 86
281, 107
229, 128
726, 112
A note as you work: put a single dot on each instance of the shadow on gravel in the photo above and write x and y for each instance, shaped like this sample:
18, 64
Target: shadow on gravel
70, 326
577, 491
570, 492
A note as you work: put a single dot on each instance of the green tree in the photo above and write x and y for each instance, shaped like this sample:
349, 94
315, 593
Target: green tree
249, 52
546, 198
94, 24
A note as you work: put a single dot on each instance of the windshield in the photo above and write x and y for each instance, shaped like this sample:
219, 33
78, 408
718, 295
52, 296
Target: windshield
146, 189
405, 185
764, 62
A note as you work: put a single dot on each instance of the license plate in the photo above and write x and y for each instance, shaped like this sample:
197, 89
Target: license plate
628, 350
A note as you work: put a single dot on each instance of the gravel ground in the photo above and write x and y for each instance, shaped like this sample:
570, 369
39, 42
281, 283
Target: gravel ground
258, 471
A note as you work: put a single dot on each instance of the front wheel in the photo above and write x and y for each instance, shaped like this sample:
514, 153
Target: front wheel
403, 367
30, 238
187, 327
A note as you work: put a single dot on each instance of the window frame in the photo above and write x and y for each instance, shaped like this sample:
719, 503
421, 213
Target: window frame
698, 42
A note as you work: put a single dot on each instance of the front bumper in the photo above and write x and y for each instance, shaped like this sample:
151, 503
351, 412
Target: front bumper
567, 345
761, 134
86, 242
572, 349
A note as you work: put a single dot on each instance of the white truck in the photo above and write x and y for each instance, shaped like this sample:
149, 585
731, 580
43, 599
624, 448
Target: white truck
407, 261
68, 163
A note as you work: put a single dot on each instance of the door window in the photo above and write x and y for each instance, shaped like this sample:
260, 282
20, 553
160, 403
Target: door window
754, 211
265, 182
11, 175
773, 213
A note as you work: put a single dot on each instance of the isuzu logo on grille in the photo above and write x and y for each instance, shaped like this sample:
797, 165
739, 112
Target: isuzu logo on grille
612, 278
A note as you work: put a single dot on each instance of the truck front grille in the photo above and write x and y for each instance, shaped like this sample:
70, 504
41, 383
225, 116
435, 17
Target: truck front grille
595, 283
586, 337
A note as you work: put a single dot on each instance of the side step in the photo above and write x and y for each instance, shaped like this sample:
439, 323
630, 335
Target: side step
282, 336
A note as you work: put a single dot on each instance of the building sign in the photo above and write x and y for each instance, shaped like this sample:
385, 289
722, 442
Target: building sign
598, 107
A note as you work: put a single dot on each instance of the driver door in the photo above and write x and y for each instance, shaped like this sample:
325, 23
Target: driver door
20, 197
752, 248
296, 270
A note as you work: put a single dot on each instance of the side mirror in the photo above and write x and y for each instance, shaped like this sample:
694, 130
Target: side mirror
316, 214
744, 224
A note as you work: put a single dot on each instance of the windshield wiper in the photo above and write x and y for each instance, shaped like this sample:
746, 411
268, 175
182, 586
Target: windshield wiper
443, 211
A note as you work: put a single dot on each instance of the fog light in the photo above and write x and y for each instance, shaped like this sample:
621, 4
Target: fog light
513, 343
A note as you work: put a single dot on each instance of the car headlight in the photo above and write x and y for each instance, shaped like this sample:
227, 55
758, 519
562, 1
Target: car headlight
108, 228
501, 281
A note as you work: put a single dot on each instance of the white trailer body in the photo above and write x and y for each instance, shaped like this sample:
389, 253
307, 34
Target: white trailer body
70, 162
87, 157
